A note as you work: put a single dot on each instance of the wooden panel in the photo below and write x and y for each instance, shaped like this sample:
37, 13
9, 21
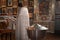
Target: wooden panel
15, 11
43, 7
15, 3
5, 7
9, 3
3, 3
51, 26
0, 3
4, 10
30, 15
7, 34
9, 10
0, 10
3, 25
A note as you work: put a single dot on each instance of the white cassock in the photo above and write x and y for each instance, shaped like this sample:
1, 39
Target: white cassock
23, 23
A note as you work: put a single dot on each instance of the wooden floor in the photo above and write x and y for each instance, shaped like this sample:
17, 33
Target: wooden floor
50, 36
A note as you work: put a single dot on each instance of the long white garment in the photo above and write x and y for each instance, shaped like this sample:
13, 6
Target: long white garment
23, 23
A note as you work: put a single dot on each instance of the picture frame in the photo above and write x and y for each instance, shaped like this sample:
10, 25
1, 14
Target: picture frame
4, 10
0, 3
44, 7
31, 9
0, 10
15, 11
9, 3
15, 3
31, 3
3, 3
10, 10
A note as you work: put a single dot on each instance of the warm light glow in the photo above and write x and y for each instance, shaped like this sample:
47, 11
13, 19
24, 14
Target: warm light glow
52, 5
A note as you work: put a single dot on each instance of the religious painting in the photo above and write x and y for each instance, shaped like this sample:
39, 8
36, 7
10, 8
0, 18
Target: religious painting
9, 2
15, 3
0, 10
31, 9
15, 11
3, 3
31, 3
0, 3
10, 10
4, 10
43, 7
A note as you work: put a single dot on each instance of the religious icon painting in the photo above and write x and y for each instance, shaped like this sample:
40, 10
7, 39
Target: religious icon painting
15, 3
10, 10
0, 10
14, 11
44, 7
4, 10
3, 3
9, 2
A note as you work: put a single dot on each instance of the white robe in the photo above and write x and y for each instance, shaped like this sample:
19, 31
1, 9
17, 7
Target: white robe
23, 23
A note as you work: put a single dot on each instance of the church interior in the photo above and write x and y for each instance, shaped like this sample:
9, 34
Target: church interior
41, 12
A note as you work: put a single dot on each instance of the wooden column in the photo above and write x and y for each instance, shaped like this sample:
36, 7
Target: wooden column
36, 10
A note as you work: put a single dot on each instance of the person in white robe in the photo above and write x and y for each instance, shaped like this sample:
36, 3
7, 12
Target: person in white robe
22, 24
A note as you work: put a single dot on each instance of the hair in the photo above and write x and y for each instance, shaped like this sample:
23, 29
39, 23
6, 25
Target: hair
20, 5
25, 3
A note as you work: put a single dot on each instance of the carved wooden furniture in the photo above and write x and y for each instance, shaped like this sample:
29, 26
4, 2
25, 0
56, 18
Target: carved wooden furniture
7, 34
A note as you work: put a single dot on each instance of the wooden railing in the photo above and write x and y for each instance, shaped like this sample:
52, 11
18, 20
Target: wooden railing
7, 34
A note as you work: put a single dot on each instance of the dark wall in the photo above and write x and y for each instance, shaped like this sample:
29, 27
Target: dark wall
57, 16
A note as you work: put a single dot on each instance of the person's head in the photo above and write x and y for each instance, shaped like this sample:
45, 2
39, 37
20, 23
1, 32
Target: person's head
24, 3
20, 5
